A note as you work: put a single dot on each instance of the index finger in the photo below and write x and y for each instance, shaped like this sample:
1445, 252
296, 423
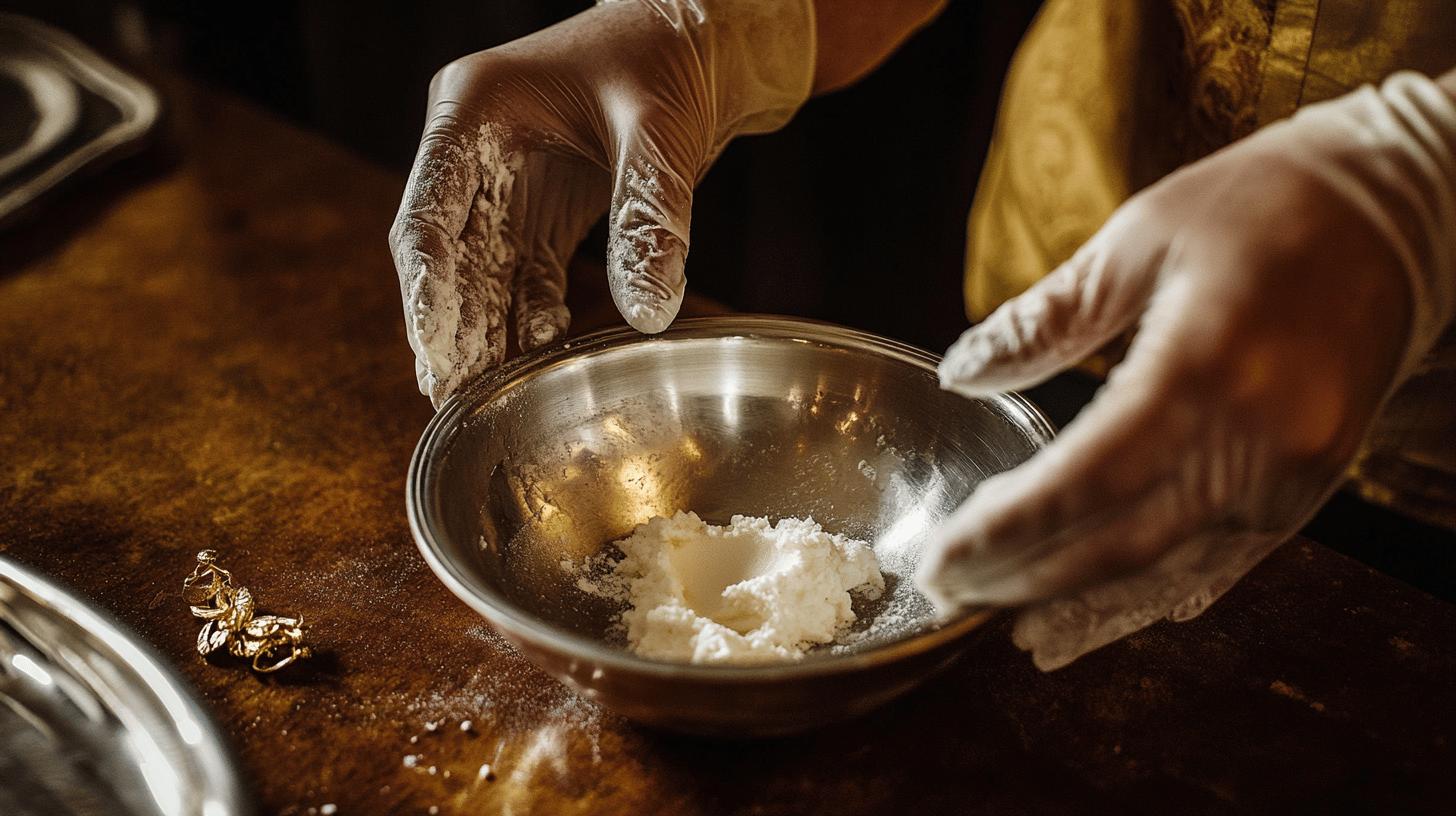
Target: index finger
432, 215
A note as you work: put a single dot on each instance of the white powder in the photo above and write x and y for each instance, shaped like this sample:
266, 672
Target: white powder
751, 592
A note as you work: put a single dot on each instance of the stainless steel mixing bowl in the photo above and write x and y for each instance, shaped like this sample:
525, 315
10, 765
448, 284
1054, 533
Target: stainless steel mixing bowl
552, 458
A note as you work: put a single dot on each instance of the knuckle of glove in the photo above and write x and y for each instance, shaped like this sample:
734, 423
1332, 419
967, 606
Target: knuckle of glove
461, 79
453, 75
486, 87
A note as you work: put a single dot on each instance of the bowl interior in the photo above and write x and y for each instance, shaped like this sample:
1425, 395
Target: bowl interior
548, 463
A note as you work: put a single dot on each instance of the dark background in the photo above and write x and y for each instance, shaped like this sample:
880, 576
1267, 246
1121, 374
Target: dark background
855, 212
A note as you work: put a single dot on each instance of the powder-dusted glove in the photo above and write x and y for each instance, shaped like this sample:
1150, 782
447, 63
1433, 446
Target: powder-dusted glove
1281, 289
620, 108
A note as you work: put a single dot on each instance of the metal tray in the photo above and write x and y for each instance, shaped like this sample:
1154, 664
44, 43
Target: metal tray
92, 722
62, 109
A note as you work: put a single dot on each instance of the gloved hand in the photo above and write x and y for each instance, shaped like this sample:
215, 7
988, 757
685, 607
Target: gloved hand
623, 107
1280, 289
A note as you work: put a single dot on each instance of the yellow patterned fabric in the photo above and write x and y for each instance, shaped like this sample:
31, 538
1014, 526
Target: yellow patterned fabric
1105, 97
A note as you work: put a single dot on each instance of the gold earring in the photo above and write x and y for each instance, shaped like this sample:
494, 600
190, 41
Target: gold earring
270, 641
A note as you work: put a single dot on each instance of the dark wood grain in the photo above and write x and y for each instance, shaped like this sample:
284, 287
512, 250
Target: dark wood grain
208, 352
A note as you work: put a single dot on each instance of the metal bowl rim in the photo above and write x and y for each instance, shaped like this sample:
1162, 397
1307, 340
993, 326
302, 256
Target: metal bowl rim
518, 623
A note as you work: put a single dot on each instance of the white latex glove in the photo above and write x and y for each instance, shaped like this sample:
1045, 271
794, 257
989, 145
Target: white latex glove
622, 107
1280, 288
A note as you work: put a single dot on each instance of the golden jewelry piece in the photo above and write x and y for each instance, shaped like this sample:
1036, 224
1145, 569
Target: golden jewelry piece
271, 641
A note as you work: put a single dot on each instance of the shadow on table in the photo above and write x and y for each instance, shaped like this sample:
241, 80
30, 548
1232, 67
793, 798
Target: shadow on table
899, 758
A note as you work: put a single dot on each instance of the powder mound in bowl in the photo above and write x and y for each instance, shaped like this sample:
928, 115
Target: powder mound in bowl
750, 592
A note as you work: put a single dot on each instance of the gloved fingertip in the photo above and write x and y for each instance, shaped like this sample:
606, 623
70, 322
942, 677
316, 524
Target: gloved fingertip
430, 387
926, 581
432, 318
935, 577
975, 557
964, 365
647, 246
956, 585
946, 601
647, 280
647, 284
441, 390
538, 330
960, 382
536, 338
430, 383
652, 316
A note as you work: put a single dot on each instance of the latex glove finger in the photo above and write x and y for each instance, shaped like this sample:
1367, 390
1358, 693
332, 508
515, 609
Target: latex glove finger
487, 264
561, 199
647, 241
487, 249
540, 296
457, 309
424, 240
1059, 321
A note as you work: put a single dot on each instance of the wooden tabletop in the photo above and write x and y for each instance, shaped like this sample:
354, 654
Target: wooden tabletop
204, 348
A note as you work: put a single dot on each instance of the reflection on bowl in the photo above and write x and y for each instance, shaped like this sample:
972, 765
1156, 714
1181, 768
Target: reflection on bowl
550, 459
